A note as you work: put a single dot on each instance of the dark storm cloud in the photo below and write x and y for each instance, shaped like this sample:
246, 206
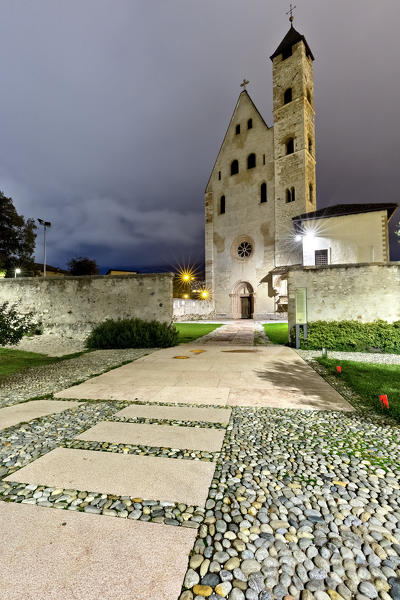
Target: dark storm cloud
112, 111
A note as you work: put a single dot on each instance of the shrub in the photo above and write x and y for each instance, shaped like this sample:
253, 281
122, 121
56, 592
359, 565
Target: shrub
132, 333
13, 326
352, 336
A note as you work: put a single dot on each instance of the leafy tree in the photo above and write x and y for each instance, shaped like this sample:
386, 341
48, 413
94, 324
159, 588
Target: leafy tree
81, 265
17, 239
13, 326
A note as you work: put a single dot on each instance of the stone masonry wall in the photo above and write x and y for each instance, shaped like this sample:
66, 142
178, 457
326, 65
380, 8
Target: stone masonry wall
360, 292
193, 310
76, 304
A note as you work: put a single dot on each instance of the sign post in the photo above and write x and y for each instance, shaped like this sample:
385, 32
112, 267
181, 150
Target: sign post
301, 314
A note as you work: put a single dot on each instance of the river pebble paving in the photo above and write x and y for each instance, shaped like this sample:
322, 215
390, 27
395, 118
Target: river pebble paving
303, 504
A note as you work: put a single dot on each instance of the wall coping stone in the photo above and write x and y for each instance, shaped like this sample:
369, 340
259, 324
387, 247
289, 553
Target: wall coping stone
343, 266
84, 277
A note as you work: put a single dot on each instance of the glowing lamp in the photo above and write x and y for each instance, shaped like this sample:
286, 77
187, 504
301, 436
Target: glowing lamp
310, 234
298, 238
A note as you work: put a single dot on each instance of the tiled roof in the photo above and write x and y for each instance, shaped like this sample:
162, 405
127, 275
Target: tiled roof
339, 210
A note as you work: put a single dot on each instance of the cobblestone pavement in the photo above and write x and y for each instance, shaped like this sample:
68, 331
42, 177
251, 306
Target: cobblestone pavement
301, 504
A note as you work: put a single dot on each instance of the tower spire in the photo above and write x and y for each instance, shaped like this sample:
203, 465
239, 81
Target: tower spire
290, 11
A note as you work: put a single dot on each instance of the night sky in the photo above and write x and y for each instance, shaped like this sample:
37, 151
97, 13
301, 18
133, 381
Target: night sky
112, 113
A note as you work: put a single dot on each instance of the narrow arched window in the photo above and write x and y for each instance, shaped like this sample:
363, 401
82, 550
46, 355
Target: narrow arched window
237, 129
250, 124
287, 96
251, 161
290, 146
309, 96
222, 205
311, 192
290, 195
234, 167
263, 192
219, 175
310, 145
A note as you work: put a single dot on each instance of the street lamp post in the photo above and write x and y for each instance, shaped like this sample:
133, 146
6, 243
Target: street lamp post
17, 272
45, 225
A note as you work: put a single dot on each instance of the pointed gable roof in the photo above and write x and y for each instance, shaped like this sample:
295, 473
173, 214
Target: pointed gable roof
243, 95
291, 38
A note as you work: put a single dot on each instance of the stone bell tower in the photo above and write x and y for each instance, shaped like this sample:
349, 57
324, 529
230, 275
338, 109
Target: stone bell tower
294, 141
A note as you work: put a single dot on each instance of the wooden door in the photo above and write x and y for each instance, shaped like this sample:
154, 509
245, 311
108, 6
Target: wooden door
245, 302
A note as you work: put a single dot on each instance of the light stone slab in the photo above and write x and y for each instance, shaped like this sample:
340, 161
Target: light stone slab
48, 554
147, 477
248, 376
26, 411
95, 390
165, 436
208, 415
286, 398
192, 395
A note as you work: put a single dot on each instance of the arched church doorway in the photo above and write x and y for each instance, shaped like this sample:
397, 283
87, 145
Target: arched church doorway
242, 301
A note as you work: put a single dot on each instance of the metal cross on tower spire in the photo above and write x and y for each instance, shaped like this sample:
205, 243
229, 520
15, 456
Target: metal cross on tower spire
244, 83
290, 11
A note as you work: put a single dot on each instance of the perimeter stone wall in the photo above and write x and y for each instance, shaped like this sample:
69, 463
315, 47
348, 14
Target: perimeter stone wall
193, 310
361, 292
75, 304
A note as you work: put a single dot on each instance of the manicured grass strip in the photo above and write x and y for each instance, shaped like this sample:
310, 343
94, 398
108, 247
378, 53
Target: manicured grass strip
370, 380
191, 331
277, 332
12, 361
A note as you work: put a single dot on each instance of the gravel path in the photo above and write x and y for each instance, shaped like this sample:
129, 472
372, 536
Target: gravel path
367, 357
52, 378
51, 344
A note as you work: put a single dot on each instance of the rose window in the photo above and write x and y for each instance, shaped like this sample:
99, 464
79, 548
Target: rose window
244, 249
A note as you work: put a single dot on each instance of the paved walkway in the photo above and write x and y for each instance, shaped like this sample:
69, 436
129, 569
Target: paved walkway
240, 456
235, 332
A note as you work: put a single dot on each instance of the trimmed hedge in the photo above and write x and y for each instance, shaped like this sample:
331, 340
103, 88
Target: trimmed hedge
352, 336
132, 333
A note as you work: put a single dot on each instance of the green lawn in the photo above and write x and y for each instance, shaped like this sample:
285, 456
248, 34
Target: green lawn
277, 332
370, 381
191, 331
12, 361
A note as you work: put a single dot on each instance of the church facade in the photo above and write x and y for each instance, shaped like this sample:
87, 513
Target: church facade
263, 177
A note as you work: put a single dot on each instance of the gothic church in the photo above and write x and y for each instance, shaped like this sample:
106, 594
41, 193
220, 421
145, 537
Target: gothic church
263, 177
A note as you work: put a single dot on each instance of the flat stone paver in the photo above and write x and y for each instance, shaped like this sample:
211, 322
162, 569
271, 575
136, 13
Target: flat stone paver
223, 375
18, 413
51, 554
237, 332
169, 436
147, 477
207, 415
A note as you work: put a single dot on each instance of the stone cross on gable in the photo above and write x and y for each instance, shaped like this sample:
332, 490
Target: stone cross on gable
244, 83
290, 11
